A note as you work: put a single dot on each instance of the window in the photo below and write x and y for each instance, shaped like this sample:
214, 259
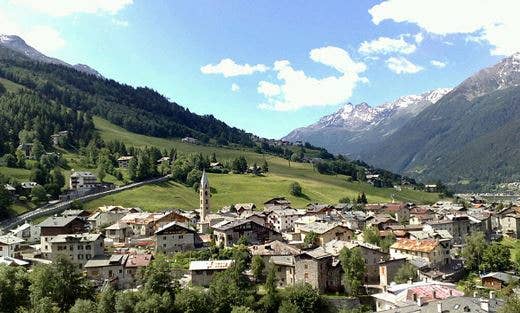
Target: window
181, 236
88, 247
87, 256
306, 276
164, 237
306, 266
80, 256
80, 247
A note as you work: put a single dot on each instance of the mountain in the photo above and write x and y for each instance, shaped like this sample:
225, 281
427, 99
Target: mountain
355, 127
17, 44
469, 138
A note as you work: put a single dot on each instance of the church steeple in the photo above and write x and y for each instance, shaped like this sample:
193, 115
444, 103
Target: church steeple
204, 196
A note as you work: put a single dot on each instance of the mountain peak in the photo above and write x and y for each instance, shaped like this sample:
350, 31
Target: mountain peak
16, 43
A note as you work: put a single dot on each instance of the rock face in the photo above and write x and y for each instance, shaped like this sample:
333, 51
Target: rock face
468, 136
354, 127
17, 44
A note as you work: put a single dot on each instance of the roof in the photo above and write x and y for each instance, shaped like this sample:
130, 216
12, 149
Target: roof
82, 174
317, 253
426, 245
116, 226
204, 180
73, 212
106, 260
28, 184
10, 239
6, 260
503, 277
283, 260
57, 221
138, 260
210, 265
335, 246
278, 200
229, 225
275, 247
320, 228
125, 158
173, 224
75, 237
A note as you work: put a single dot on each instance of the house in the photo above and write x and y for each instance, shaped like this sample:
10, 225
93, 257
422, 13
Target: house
282, 219
325, 232
28, 232
277, 201
9, 261
55, 138
202, 272
164, 160
388, 269
133, 265
380, 221
176, 237
27, 187
273, 248
416, 295
189, 140
498, 280
229, 233
58, 225
78, 247
436, 253
319, 209
431, 188
106, 268
108, 215
319, 269
285, 267
9, 245
79, 213
82, 180
26, 148
371, 253
117, 232
123, 161
452, 305
216, 165
399, 211
510, 224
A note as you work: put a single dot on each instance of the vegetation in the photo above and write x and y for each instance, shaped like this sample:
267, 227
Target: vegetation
405, 273
354, 269
479, 256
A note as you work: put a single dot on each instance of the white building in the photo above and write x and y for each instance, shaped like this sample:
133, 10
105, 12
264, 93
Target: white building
82, 180
79, 247
283, 219
27, 232
9, 245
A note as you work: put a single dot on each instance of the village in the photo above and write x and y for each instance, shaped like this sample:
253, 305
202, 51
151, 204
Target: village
413, 254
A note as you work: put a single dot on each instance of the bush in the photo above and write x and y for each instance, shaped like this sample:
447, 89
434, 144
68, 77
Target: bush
296, 189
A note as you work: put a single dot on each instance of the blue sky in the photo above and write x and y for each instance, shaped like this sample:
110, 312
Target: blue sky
286, 63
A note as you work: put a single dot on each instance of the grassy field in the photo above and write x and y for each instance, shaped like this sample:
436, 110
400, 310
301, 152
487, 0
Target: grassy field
9, 85
232, 188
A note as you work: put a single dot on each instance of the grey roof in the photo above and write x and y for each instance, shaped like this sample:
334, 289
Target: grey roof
106, 260
234, 224
504, 277
57, 221
75, 237
175, 223
210, 265
451, 305
284, 260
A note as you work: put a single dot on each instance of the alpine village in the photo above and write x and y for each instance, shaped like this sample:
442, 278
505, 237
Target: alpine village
114, 198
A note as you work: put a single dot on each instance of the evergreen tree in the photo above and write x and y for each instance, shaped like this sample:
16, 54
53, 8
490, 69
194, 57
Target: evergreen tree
353, 264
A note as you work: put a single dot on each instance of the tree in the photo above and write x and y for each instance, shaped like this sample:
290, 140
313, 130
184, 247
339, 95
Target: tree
227, 291
132, 169
5, 199
9, 160
474, 250
265, 167
270, 300
362, 198
512, 305
295, 189
405, 273
191, 300
193, 177
83, 306
37, 150
157, 277
38, 194
44, 305
310, 239
154, 303
353, 264
371, 235
20, 159
496, 258
242, 309
344, 200
257, 267
2, 89
14, 287
239, 165
61, 282
304, 297
57, 178
106, 300
101, 173
288, 307
125, 302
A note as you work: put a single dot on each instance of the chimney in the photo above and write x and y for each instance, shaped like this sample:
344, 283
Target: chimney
492, 294
434, 294
419, 301
475, 294
439, 307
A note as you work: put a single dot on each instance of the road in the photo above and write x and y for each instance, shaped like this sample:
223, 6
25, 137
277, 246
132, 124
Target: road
62, 206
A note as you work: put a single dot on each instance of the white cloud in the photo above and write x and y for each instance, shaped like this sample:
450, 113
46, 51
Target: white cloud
235, 87
68, 7
385, 45
401, 65
268, 89
298, 90
419, 37
495, 22
120, 23
229, 68
44, 38
438, 64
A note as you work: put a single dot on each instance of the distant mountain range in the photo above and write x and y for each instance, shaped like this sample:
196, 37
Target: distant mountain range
17, 44
468, 136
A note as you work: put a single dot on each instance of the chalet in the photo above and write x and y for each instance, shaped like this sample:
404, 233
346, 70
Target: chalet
498, 280
78, 247
9, 245
434, 252
58, 225
28, 232
431, 188
510, 224
319, 269
55, 138
278, 201
176, 237
399, 211
108, 215
202, 272
380, 221
117, 232
229, 233
282, 219
273, 248
123, 161
319, 209
189, 140
325, 232
79, 213
82, 180
134, 264
106, 268
371, 253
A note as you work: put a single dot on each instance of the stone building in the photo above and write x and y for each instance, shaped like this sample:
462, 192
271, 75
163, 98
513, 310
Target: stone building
78, 247
202, 272
176, 237
228, 233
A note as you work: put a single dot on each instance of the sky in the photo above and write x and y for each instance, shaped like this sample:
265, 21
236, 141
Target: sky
271, 66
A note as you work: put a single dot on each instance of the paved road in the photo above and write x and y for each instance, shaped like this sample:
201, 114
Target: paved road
63, 205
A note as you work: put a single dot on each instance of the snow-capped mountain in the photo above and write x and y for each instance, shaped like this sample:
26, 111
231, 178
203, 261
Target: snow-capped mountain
17, 44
